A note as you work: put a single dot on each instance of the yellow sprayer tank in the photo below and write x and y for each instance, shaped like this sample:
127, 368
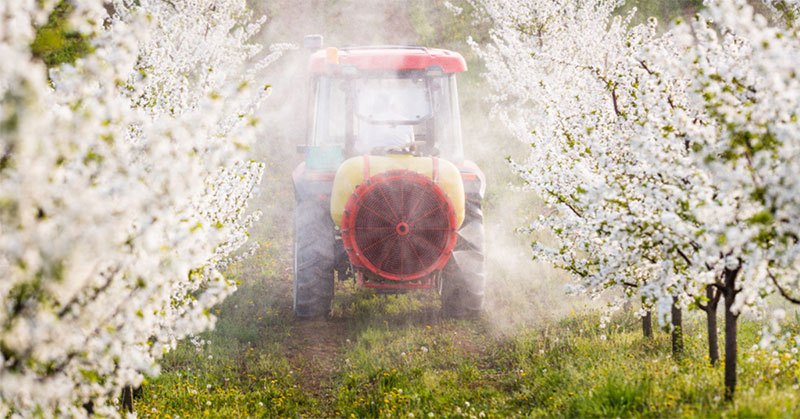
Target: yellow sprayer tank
353, 171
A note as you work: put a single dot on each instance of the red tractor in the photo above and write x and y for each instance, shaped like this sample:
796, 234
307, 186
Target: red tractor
384, 193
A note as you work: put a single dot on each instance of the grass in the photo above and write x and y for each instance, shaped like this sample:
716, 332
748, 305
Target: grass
391, 356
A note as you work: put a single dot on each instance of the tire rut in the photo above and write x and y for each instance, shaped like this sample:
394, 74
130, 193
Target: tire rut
315, 350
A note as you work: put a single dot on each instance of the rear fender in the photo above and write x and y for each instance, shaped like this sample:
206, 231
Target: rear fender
312, 184
473, 178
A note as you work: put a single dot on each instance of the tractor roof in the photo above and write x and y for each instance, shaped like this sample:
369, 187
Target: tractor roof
388, 58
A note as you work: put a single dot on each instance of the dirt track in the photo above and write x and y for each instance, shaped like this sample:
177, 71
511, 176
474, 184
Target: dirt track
314, 349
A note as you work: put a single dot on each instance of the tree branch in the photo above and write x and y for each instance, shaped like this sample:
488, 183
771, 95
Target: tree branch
683, 256
781, 290
564, 201
720, 287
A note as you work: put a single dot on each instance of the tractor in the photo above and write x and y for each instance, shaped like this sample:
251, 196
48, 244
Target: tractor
384, 194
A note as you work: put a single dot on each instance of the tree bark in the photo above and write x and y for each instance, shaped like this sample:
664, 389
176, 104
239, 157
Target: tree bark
677, 330
731, 346
711, 324
647, 325
127, 399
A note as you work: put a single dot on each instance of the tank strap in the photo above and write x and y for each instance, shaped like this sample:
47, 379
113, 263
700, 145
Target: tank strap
366, 167
435, 173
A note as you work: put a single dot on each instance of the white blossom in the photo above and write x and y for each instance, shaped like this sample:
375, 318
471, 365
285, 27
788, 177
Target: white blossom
123, 189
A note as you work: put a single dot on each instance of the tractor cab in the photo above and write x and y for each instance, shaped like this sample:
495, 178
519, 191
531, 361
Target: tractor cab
375, 100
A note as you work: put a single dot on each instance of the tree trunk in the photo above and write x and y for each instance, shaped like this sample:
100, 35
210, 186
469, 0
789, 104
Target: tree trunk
647, 325
127, 399
730, 350
677, 330
711, 325
730, 333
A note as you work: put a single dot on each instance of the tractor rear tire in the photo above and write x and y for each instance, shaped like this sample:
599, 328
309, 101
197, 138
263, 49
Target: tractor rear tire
313, 259
464, 276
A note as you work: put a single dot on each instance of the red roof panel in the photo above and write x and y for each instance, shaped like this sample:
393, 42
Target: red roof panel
391, 58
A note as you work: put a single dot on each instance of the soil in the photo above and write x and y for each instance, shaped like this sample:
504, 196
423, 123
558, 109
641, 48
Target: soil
314, 350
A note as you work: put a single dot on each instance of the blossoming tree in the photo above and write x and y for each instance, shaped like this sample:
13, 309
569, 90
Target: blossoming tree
667, 157
123, 186
743, 75
574, 83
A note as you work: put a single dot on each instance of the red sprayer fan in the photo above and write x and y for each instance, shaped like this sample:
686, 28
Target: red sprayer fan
399, 225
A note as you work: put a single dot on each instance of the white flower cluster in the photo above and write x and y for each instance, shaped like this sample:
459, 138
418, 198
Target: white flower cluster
670, 159
123, 190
